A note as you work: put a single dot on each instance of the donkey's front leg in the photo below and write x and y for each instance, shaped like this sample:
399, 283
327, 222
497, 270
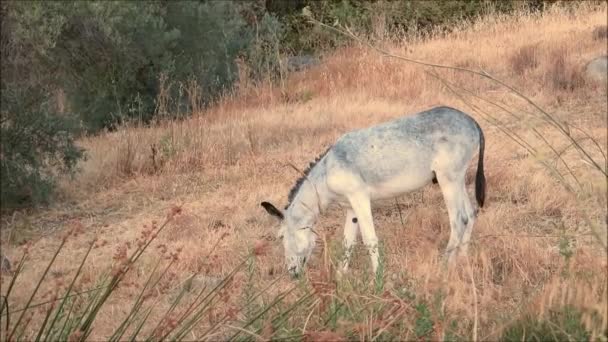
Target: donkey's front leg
360, 203
351, 228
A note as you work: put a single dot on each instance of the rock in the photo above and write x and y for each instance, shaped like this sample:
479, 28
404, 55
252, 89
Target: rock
5, 264
597, 69
297, 63
197, 282
193, 286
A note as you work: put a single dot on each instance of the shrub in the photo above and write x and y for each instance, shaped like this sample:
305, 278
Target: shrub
563, 324
263, 53
366, 17
36, 141
562, 73
119, 49
600, 32
108, 59
525, 58
107, 56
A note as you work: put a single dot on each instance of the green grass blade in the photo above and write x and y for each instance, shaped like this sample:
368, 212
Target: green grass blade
280, 320
195, 317
43, 325
46, 271
5, 302
93, 300
76, 294
115, 281
119, 332
333, 314
140, 326
277, 300
65, 325
8, 315
246, 305
173, 306
12, 283
70, 287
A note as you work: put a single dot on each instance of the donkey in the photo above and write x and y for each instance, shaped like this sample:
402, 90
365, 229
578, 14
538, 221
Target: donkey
380, 162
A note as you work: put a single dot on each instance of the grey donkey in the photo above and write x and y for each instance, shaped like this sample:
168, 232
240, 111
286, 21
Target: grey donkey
381, 162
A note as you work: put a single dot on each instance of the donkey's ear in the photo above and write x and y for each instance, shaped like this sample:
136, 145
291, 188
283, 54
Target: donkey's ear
272, 210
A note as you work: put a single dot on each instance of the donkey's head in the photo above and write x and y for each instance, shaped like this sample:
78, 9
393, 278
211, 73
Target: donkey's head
297, 236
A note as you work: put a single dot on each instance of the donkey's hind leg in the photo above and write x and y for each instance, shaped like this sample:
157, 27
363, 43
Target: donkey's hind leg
468, 218
459, 211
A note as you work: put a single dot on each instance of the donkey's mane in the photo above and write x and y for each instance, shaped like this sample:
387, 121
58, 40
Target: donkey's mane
296, 187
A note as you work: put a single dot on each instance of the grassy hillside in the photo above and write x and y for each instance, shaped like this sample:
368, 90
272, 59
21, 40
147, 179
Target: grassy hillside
533, 249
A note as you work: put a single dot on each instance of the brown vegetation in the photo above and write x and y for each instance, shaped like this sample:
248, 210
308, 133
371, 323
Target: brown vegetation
525, 58
219, 164
600, 32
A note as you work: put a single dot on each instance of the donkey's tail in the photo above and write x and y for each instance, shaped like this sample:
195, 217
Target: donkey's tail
480, 179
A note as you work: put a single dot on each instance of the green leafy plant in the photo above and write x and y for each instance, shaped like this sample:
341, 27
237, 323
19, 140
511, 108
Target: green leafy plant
424, 321
564, 324
36, 140
35, 145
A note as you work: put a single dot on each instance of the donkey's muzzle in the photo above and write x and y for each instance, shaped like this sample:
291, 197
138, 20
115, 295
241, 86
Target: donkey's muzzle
293, 272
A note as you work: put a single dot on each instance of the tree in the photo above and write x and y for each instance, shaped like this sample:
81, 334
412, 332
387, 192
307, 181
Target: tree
35, 141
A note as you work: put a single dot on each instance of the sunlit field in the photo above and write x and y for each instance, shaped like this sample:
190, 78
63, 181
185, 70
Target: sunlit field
538, 246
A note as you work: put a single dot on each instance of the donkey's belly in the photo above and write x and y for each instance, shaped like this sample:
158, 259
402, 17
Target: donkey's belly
400, 184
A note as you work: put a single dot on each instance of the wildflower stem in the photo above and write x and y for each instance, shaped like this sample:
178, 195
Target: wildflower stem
27, 305
119, 332
70, 287
116, 279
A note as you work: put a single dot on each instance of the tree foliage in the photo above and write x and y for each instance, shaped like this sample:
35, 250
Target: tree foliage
367, 16
36, 141
106, 58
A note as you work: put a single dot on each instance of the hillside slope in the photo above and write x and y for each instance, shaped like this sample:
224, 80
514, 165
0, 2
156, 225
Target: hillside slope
220, 164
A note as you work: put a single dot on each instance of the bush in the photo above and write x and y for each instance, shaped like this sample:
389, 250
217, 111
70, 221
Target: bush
108, 56
263, 53
367, 17
564, 324
119, 49
36, 142
563, 74
600, 32
525, 58
111, 60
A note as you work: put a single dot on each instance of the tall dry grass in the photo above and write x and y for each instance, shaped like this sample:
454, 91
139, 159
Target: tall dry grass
532, 248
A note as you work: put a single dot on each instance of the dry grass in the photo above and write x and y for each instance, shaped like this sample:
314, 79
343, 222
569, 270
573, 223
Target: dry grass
563, 74
600, 32
221, 163
525, 58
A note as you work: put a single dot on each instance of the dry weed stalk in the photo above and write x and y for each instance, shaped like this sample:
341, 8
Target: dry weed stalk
79, 323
